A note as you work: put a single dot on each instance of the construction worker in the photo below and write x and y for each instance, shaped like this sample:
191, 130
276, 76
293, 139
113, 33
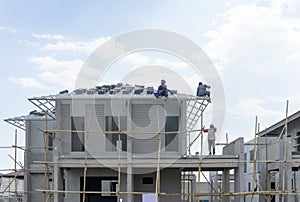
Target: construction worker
162, 90
202, 90
211, 136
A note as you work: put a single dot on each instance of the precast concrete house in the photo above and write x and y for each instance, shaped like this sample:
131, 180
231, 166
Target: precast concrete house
119, 143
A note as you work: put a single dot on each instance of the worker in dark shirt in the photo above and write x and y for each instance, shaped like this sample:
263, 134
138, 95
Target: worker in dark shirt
202, 90
162, 90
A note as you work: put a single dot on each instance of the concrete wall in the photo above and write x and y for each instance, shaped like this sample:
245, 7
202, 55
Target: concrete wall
140, 187
72, 180
35, 143
35, 140
170, 183
141, 116
36, 182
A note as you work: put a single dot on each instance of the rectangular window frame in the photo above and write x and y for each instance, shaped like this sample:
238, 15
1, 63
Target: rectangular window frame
147, 180
171, 139
51, 138
77, 133
298, 141
111, 124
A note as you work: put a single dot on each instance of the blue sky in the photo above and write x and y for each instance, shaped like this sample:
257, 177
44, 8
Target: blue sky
255, 46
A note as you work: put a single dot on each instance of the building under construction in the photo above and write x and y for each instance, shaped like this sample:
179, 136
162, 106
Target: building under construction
120, 143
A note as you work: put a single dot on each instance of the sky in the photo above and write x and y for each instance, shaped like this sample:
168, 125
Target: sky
254, 45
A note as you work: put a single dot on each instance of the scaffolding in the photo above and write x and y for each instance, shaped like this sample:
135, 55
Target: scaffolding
195, 109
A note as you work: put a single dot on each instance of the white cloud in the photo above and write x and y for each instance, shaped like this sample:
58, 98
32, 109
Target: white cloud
136, 59
76, 46
50, 63
8, 29
283, 4
49, 36
54, 72
57, 73
174, 65
256, 48
253, 107
29, 82
29, 43
253, 34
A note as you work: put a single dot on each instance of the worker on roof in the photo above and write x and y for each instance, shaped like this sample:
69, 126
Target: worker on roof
211, 136
202, 90
162, 90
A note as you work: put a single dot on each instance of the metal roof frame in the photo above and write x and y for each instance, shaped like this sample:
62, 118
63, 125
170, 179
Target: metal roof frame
19, 122
45, 103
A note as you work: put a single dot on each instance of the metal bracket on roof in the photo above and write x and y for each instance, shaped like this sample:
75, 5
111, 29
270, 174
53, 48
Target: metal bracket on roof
18, 122
195, 108
45, 103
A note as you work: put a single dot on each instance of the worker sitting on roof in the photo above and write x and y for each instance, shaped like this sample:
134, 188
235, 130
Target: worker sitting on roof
202, 90
162, 90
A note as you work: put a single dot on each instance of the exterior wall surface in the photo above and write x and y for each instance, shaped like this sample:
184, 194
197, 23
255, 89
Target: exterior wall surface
144, 116
35, 143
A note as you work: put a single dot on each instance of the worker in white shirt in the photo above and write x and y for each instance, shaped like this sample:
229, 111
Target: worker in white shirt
211, 136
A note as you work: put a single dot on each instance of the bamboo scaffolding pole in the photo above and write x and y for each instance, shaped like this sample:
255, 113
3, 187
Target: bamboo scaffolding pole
12, 147
285, 148
201, 152
119, 159
15, 165
254, 160
165, 162
116, 132
254, 181
246, 144
226, 138
273, 193
86, 136
52, 157
46, 140
189, 140
267, 165
289, 192
157, 190
184, 182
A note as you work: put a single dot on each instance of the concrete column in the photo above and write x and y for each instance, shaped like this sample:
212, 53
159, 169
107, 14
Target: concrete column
129, 183
65, 176
58, 182
237, 148
215, 184
129, 174
297, 184
239, 183
226, 184
286, 170
289, 177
